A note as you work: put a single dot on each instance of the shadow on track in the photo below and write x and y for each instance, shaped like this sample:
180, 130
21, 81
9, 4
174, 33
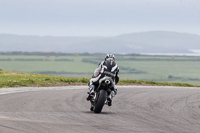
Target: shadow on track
102, 113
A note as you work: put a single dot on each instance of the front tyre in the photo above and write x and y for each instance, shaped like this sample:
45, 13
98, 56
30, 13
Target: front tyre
101, 101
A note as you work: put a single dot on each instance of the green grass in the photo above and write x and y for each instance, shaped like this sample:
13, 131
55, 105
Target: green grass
15, 79
154, 83
147, 68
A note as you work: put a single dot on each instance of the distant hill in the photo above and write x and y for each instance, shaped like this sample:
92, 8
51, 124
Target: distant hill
144, 42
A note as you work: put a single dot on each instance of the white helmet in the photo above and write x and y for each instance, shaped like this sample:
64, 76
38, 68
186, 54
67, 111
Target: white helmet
109, 56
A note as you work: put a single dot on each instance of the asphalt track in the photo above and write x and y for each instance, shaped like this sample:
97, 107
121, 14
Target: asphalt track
135, 109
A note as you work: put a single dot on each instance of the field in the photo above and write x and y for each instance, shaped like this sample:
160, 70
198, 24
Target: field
134, 67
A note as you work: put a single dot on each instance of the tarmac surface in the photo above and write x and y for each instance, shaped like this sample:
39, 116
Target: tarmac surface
135, 109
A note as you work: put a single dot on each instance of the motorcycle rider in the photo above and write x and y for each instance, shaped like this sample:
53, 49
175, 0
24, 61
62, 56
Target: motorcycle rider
108, 68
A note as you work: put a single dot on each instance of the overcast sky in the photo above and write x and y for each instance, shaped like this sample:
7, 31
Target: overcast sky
98, 17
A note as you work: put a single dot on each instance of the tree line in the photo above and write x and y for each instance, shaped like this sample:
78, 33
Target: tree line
36, 59
47, 53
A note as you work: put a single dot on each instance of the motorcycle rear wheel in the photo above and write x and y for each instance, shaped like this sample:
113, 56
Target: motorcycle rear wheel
101, 101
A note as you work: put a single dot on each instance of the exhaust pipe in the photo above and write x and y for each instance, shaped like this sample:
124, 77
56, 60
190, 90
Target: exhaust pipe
107, 82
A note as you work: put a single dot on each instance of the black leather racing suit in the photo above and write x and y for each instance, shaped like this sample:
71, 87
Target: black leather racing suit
106, 68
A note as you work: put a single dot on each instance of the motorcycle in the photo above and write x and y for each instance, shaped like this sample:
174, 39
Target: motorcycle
101, 93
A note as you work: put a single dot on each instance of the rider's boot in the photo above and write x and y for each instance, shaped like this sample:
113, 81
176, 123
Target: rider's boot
109, 98
91, 93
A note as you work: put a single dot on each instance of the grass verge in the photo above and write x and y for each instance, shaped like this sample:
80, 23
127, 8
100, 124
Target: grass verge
15, 79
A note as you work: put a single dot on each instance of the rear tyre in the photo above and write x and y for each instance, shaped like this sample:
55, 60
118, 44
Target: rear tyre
101, 101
